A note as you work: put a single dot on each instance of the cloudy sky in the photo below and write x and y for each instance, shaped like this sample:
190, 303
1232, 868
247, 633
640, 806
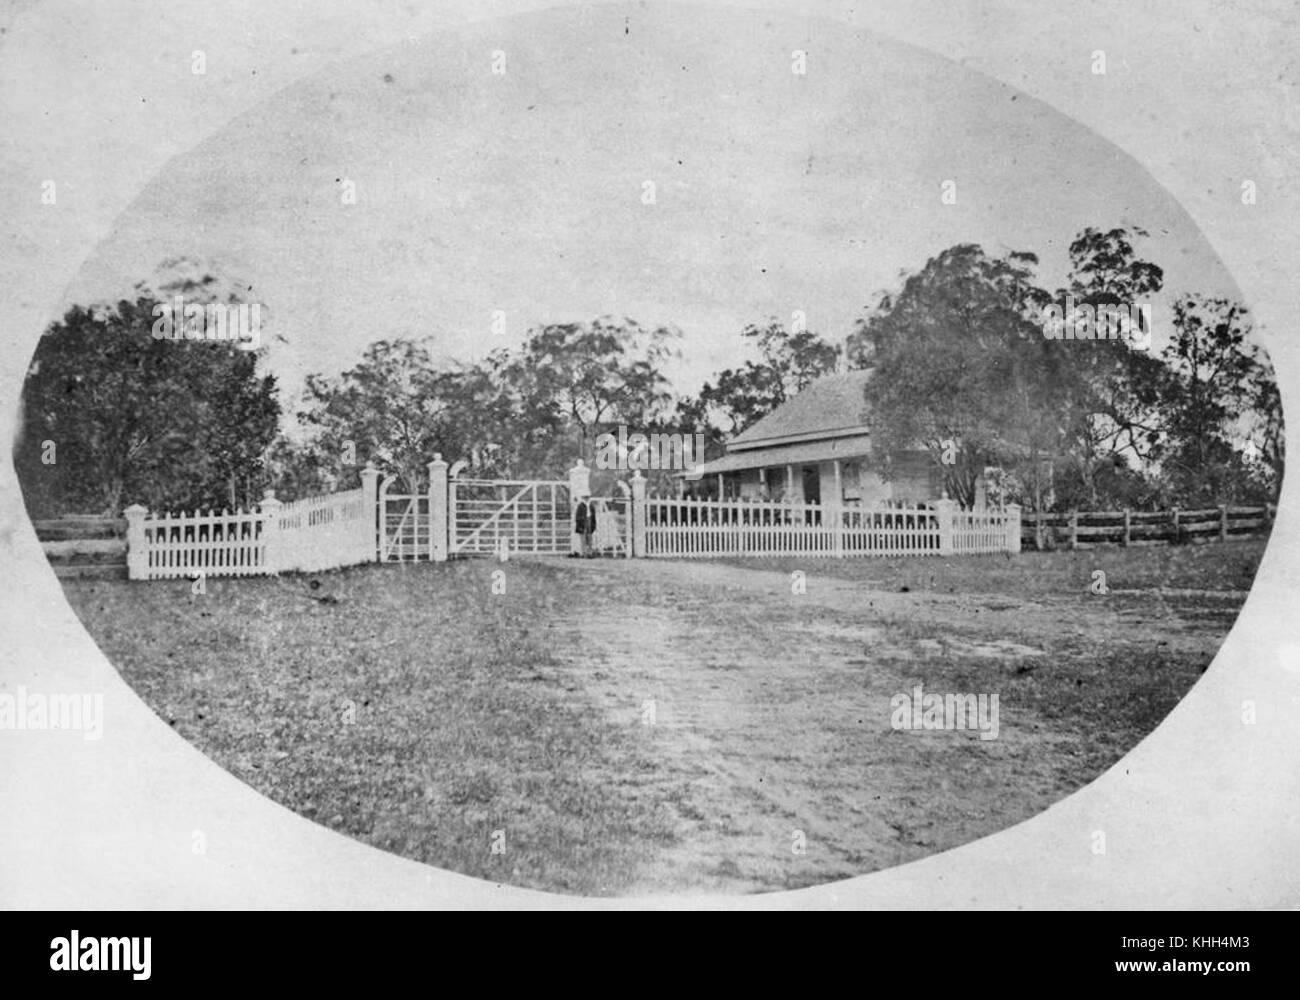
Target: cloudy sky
523, 191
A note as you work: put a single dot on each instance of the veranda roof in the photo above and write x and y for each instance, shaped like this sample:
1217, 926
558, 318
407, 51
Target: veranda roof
843, 448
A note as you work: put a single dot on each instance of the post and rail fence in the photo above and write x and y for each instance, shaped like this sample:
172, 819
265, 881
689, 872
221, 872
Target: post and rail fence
1084, 529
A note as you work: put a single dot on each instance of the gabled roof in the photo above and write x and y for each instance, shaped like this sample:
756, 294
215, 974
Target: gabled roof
829, 407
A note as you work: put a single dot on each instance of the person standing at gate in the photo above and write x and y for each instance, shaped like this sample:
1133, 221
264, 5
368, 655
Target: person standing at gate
591, 529
584, 523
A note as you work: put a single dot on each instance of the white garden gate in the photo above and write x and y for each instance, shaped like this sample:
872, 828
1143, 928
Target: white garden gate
404, 531
526, 516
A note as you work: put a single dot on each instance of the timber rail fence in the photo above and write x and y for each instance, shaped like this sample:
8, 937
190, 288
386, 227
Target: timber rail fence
1083, 529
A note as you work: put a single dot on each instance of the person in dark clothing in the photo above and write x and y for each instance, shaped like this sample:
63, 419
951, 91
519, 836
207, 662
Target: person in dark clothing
584, 526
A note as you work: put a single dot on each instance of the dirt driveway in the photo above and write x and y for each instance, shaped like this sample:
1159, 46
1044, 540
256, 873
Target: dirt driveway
768, 707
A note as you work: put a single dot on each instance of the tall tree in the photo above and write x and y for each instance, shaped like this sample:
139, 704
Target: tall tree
120, 416
790, 362
571, 381
960, 369
1217, 390
396, 409
1108, 387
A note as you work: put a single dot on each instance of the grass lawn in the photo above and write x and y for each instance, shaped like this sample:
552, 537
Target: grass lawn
1217, 567
664, 726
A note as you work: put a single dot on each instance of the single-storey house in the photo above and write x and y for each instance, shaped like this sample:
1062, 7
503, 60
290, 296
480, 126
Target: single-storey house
816, 447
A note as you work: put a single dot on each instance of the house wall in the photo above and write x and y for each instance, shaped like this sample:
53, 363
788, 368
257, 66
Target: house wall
916, 480
749, 484
826, 473
858, 482
795, 494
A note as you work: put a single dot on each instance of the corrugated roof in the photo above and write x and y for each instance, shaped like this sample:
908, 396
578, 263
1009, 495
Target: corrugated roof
832, 403
854, 446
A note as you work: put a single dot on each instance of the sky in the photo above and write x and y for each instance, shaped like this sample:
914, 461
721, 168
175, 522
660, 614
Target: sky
524, 191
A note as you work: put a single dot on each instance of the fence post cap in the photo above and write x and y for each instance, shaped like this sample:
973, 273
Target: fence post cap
136, 511
437, 461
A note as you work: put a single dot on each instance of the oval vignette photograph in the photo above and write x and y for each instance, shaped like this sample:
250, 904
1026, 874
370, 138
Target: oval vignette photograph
654, 451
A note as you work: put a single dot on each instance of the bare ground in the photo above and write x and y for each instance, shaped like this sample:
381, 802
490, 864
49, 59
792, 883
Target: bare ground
647, 727
772, 710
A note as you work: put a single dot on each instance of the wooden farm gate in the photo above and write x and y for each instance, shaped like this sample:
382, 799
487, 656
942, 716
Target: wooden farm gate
528, 517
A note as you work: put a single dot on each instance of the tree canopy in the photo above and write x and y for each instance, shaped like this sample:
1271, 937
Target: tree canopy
964, 369
113, 416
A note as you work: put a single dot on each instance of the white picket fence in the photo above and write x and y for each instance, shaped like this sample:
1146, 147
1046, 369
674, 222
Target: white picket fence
323, 532
673, 527
308, 535
978, 532
165, 546
455, 517
676, 527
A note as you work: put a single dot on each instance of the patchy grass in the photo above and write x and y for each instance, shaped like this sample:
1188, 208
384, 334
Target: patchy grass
654, 726
418, 714
1218, 567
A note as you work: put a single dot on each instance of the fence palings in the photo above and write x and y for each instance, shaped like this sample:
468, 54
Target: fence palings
309, 535
709, 528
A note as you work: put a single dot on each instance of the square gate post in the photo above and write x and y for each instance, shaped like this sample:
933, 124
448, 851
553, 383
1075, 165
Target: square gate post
368, 541
579, 489
269, 508
137, 555
945, 513
438, 509
1013, 527
636, 546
